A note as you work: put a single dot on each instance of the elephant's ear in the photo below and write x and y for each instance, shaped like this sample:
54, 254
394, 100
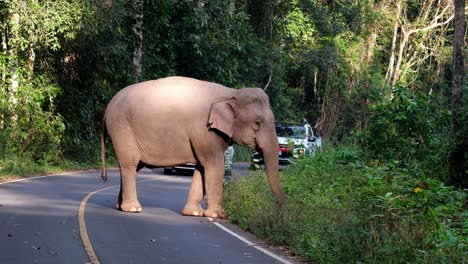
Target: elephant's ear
222, 115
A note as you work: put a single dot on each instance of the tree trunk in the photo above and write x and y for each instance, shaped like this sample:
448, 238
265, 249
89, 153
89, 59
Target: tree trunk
13, 78
4, 48
397, 70
370, 49
261, 17
391, 64
459, 137
3, 68
232, 7
329, 113
316, 95
31, 60
137, 29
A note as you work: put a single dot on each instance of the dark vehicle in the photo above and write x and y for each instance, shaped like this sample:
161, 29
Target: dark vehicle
183, 168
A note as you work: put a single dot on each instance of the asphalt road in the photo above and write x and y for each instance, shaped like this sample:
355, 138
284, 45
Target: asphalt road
39, 223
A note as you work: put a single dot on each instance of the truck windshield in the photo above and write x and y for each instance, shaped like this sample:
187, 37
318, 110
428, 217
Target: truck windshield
290, 131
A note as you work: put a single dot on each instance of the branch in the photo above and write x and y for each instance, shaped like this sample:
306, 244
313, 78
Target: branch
431, 26
269, 80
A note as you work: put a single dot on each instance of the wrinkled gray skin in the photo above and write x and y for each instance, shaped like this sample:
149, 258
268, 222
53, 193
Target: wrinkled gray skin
175, 120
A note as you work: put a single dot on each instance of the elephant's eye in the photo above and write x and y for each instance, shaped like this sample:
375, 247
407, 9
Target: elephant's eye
257, 125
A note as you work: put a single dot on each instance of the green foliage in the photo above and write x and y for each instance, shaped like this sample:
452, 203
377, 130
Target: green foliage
324, 48
38, 130
32, 130
161, 36
407, 128
342, 209
242, 154
298, 30
39, 25
214, 43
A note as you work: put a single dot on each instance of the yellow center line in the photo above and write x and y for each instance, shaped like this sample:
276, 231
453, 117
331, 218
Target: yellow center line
82, 223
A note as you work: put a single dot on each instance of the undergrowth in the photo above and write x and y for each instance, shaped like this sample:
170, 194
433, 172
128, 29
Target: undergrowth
342, 210
241, 153
82, 156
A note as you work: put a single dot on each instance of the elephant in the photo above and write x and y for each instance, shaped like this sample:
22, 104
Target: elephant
176, 120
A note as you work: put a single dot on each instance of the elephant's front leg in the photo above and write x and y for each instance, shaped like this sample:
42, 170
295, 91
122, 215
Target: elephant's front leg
193, 204
214, 173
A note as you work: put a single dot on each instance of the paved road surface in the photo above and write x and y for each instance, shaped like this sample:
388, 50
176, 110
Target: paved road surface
39, 223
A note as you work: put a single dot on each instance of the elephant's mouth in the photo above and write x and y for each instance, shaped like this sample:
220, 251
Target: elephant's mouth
248, 143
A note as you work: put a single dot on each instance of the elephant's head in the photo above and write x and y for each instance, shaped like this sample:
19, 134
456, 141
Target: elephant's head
248, 120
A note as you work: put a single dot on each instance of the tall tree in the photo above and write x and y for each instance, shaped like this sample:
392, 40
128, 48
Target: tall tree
10, 78
137, 29
418, 35
459, 136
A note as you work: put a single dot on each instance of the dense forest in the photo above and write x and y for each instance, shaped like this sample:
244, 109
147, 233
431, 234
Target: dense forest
375, 73
383, 81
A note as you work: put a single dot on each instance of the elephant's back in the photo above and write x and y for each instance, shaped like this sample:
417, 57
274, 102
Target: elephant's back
166, 101
175, 93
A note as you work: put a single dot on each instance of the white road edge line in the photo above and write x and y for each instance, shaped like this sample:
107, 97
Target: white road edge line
248, 242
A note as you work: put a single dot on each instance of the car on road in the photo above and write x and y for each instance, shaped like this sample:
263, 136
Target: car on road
190, 167
292, 144
182, 168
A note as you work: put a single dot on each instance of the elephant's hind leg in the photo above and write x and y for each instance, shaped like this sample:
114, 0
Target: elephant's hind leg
193, 204
128, 200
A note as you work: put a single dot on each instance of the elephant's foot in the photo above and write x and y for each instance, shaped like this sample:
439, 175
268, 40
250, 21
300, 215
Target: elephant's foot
192, 211
219, 213
130, 207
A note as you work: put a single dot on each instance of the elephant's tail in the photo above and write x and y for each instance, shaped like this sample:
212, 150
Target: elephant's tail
103, 150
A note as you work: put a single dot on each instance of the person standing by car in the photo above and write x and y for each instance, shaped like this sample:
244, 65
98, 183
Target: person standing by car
309, 149
228, 157
308, 129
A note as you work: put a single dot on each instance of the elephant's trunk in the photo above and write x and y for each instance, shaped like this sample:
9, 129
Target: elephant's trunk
269, 148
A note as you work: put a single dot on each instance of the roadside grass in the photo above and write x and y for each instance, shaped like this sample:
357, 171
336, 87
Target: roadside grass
18, 167
341, 210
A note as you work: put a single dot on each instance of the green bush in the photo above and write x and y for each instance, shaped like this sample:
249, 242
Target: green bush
406, 128
242, 153
341, 210
33, 130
